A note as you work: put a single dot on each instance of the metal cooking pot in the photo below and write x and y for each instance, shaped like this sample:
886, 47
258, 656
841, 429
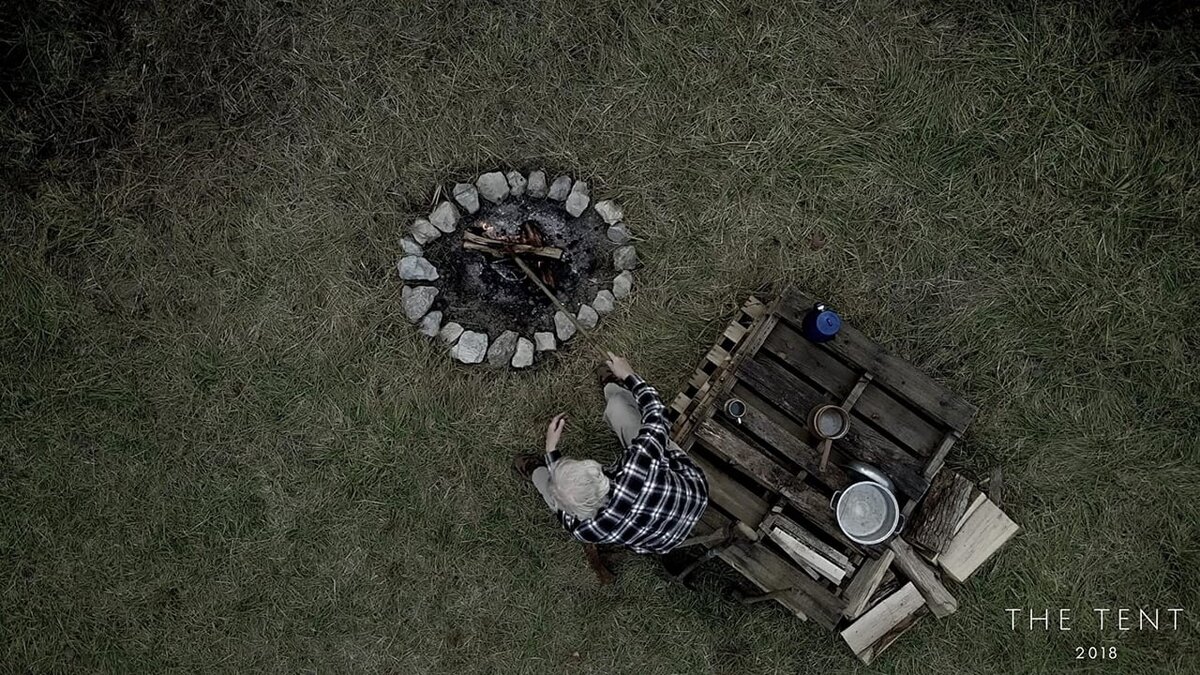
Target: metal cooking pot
867, 512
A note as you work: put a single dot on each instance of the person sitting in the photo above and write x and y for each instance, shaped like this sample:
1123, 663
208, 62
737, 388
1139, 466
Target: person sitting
647, 501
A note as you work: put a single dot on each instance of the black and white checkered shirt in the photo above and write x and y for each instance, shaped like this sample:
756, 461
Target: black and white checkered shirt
656, 494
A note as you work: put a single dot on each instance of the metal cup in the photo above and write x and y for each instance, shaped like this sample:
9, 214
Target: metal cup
735, 408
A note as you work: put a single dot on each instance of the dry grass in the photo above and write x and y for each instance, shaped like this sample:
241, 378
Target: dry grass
224, 449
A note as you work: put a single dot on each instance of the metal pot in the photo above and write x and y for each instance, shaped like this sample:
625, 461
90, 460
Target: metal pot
867, 512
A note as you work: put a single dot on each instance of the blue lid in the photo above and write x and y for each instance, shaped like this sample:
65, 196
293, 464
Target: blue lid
828, 322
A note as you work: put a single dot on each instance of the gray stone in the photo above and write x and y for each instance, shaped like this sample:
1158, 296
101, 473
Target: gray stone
578, 200
444, 217
625, 258
587, 317
415, 268
450, 332
417, 300
431, 324
537, 184
603, 302
424, 232
467, 196
523, 358
609, 211
560, 188
411, 247
516, 183
618, 234
471, 347
544, 341
622, 284
563, 326
493, 186
502, 349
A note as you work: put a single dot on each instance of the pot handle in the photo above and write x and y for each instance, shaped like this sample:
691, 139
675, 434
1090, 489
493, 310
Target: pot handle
900, 525
833, 500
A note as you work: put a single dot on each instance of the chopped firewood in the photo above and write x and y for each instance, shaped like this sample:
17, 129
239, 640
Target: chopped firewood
864, 584
940, 601
984, 532
879, 628
945, 502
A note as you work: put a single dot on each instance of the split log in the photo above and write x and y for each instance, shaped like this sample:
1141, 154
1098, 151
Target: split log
886, 622
983, 533
947, 500
940, 601
864, 584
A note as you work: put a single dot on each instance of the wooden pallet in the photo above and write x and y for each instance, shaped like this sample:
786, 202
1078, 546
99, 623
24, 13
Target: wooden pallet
764, 472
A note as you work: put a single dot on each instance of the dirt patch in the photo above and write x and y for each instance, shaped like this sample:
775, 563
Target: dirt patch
493, 295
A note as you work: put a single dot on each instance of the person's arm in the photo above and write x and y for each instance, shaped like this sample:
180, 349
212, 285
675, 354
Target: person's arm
554, 433
655, 432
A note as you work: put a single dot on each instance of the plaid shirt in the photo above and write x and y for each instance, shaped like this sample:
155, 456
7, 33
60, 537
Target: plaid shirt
656, 494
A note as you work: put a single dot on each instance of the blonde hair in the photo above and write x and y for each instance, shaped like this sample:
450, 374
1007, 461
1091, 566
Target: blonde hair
579, 487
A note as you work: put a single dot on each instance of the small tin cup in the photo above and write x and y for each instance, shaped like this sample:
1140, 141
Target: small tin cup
735, 408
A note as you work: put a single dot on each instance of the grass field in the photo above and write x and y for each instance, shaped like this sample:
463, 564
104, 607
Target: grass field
223, 449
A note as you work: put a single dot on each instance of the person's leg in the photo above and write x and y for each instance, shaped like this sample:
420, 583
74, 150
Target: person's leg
621, 413
541, 481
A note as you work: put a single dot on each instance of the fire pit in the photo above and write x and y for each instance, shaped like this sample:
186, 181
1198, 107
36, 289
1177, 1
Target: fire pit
479, 271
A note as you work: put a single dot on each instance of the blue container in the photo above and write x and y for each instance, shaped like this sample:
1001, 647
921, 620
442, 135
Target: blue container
821, 323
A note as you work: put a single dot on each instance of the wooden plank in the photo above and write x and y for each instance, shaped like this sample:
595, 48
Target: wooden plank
893, 416
817, 364
770, 572
984, 532
802, 534
739, 452
939, 455
940, 601
887, 621
812, 505
892, 371
765, 426
797, 398
735, 332
806, 555
944, 505
864, 584
727, 493
839, 380
764, 321
765, 575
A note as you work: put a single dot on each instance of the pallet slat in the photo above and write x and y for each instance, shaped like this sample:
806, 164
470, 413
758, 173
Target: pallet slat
760, 423
729, 495
835, 377
892, 371
797, 398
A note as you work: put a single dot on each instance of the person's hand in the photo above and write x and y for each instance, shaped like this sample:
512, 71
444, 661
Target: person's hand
619, 366
554, 431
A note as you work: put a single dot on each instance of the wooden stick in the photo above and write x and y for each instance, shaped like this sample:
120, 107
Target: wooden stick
558, 303
474, 242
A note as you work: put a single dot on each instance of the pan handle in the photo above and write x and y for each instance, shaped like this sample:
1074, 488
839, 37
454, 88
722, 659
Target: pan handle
871, 473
